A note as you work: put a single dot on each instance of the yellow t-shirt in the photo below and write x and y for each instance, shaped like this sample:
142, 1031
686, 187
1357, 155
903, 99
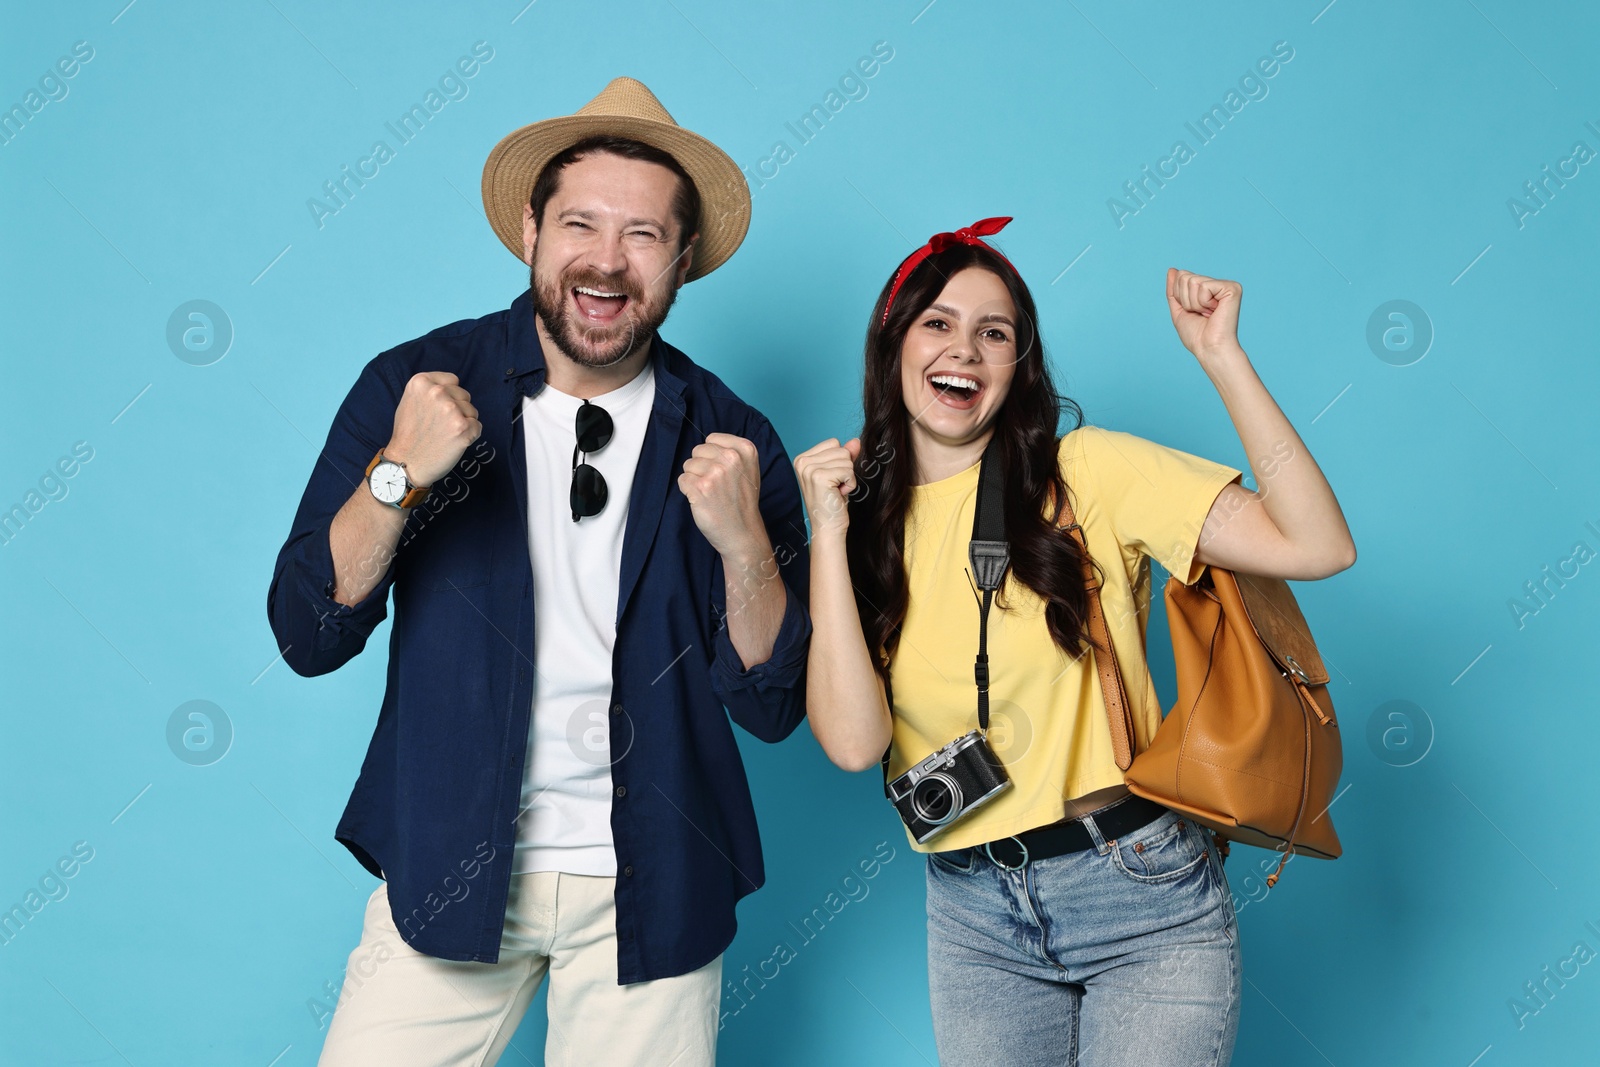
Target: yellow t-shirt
1136, 500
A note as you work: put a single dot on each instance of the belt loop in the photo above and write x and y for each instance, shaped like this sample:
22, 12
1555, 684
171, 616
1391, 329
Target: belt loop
1101, 846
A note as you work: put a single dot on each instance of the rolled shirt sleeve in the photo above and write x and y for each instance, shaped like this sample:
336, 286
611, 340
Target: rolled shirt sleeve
781, 668
768, 698
316, 633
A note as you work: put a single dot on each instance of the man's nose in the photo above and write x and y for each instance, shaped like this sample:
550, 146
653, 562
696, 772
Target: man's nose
607, 256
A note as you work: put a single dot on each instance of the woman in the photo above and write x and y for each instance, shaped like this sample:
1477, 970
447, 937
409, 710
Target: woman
1068, 921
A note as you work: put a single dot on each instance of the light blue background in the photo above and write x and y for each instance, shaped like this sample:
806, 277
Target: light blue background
1378, 168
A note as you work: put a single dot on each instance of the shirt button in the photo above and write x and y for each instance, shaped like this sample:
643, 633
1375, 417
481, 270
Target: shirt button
622, 790
616, 709
627, 872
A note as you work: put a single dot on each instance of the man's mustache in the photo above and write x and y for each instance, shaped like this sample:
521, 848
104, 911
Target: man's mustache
606, 284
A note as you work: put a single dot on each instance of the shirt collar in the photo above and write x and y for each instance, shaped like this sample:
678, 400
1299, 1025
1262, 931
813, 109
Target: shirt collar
525, 366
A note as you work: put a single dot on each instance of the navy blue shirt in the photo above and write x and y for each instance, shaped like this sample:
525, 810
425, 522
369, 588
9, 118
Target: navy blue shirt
434, 808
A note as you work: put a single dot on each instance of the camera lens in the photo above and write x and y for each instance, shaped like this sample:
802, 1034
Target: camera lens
936, 799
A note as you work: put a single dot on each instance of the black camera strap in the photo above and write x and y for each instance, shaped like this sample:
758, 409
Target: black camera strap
989, 553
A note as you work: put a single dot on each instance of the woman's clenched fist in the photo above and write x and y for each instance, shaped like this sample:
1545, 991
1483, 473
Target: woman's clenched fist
827, 475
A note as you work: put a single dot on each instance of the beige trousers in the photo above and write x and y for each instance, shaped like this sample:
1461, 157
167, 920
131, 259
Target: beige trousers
401, 1007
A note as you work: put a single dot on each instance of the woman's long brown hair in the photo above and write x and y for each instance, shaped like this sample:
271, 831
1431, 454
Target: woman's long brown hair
1044, 557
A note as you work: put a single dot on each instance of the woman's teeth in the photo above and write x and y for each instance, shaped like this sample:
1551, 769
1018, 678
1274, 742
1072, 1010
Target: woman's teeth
954, 387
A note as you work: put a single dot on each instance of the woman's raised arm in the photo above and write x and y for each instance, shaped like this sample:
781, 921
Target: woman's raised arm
845, 701
1292, 526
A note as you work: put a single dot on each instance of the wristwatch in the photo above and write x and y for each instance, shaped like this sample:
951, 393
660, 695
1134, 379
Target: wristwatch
391, 485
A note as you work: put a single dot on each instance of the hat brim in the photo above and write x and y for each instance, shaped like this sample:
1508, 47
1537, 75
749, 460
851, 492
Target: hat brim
515, 163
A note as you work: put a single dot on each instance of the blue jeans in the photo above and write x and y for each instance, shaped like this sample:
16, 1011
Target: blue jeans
1125, 953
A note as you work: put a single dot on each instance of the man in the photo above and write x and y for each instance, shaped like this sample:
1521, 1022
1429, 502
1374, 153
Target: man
592, 546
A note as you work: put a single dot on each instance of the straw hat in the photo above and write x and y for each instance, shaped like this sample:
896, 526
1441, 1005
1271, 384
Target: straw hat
624, 108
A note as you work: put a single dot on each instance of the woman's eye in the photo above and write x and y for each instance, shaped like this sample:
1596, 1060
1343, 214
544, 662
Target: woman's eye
998, 336
935, 324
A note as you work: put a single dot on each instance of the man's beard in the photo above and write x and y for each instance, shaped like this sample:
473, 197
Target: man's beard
598, 346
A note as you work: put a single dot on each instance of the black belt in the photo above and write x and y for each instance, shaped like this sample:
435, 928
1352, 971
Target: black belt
1071, 835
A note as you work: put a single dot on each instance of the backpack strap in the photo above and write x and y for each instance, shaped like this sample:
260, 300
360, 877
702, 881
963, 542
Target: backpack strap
1118, 710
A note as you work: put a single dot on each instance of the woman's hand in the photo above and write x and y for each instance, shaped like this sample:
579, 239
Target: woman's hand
827, 475
846, 704
1292, 526
1205, 312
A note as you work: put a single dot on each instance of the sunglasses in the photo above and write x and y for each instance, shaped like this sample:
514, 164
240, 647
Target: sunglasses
593, 429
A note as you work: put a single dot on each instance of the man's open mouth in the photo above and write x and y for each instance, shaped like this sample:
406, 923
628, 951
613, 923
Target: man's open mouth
598, 306
956, 390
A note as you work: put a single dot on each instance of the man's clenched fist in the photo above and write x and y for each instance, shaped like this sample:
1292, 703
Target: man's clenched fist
433, 426
722, 480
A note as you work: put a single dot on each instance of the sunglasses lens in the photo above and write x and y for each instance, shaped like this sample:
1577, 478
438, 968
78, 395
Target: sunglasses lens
593, 428
588, 491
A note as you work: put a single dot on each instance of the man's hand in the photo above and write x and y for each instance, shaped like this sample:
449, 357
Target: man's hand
722, 479
433, 426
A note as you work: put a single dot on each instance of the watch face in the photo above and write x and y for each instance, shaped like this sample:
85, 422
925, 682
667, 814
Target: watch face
388, 482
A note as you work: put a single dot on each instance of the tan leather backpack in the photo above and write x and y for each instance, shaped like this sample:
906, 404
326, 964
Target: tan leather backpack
1251, 747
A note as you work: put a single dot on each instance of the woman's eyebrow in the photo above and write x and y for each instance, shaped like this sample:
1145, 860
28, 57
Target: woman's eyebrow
945, 309
997, 316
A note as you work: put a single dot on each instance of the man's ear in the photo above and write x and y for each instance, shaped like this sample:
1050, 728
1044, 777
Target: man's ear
686, 259
530, 233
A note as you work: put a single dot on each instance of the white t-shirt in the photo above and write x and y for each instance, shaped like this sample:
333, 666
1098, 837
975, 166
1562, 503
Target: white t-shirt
565, 816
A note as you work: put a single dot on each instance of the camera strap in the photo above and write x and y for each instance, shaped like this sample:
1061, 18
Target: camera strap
989, 554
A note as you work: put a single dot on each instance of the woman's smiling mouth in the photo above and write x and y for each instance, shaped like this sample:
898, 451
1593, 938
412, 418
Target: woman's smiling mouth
958, 391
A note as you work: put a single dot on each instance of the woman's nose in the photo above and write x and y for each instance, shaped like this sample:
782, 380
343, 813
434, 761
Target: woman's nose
962, 348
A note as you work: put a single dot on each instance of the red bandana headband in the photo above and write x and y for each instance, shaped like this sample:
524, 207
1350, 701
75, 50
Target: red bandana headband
967, 235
